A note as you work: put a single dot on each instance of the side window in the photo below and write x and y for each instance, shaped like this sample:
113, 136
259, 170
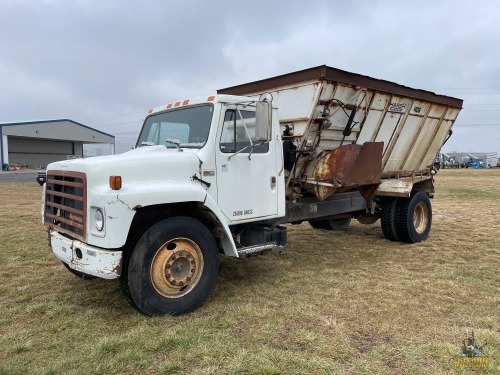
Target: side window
237, 131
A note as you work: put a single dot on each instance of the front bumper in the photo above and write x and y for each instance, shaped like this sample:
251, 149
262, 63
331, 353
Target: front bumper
91, 260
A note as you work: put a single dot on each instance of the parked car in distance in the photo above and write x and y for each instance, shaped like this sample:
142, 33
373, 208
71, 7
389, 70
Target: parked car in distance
41, 177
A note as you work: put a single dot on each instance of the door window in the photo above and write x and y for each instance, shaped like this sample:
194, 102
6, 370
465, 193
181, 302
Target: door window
238, 133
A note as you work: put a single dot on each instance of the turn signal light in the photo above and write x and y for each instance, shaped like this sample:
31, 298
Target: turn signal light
115, 182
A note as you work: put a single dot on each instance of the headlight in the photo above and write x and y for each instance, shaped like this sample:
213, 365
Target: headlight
99, 220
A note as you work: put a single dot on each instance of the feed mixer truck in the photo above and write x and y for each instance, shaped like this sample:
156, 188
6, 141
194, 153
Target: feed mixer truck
223, 174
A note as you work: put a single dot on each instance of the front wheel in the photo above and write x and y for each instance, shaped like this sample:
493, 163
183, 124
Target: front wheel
172, 268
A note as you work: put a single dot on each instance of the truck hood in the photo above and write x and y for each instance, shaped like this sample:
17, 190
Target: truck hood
151, 163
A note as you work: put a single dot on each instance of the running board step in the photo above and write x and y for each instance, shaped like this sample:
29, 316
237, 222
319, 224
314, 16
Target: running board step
244, 252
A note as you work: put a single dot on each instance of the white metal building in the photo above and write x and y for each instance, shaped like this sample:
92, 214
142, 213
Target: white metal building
38, 143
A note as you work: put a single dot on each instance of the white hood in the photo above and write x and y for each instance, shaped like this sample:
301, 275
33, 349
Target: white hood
151, 163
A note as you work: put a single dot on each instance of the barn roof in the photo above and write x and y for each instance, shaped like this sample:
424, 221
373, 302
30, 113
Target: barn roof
50, 121
72, 130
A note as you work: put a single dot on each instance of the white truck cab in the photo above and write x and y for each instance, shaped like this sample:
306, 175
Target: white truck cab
214, 162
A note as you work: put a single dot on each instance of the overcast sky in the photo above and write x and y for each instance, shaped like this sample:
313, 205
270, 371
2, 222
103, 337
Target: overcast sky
105, 63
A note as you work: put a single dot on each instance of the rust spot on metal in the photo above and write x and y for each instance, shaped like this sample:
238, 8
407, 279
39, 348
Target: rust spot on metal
218, 232
118, 268
346, 168
368, 191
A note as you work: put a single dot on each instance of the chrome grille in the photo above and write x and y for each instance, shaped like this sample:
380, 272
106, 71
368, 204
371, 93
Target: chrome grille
65, 203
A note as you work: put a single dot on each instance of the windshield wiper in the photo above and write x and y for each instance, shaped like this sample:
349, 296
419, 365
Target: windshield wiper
175, 142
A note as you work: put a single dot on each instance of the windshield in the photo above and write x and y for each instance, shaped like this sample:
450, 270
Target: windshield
187, 127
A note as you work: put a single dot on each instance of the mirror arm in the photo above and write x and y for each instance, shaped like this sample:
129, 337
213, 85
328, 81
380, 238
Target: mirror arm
236, 153
245, 127
255, 145
244, 148
250, 154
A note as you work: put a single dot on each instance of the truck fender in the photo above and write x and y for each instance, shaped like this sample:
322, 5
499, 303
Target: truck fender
177, 194
125, 204
227, 242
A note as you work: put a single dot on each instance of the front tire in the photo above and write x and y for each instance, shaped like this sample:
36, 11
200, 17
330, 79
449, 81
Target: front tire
172, 268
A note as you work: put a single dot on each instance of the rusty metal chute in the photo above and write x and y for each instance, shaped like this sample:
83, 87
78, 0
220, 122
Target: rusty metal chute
345, 168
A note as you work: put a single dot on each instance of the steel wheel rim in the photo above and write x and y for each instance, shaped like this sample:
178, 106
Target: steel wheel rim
176, 267
421, 218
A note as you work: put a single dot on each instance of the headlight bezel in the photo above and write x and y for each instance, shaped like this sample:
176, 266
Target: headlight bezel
97, 221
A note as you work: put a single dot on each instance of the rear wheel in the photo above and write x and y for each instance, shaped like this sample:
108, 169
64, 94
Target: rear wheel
388, 219
414, 218
331, 224
172, 268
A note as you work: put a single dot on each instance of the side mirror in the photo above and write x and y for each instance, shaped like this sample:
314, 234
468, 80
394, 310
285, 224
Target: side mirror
263, 118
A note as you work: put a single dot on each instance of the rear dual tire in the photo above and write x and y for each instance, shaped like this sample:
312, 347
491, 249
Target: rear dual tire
414, 218
407, 219
388, 219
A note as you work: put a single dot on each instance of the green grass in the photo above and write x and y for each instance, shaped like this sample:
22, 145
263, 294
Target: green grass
334, 302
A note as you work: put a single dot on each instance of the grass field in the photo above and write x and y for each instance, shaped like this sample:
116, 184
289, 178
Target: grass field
348, 302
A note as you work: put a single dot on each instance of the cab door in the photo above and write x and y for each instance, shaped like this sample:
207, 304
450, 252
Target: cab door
246, 168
